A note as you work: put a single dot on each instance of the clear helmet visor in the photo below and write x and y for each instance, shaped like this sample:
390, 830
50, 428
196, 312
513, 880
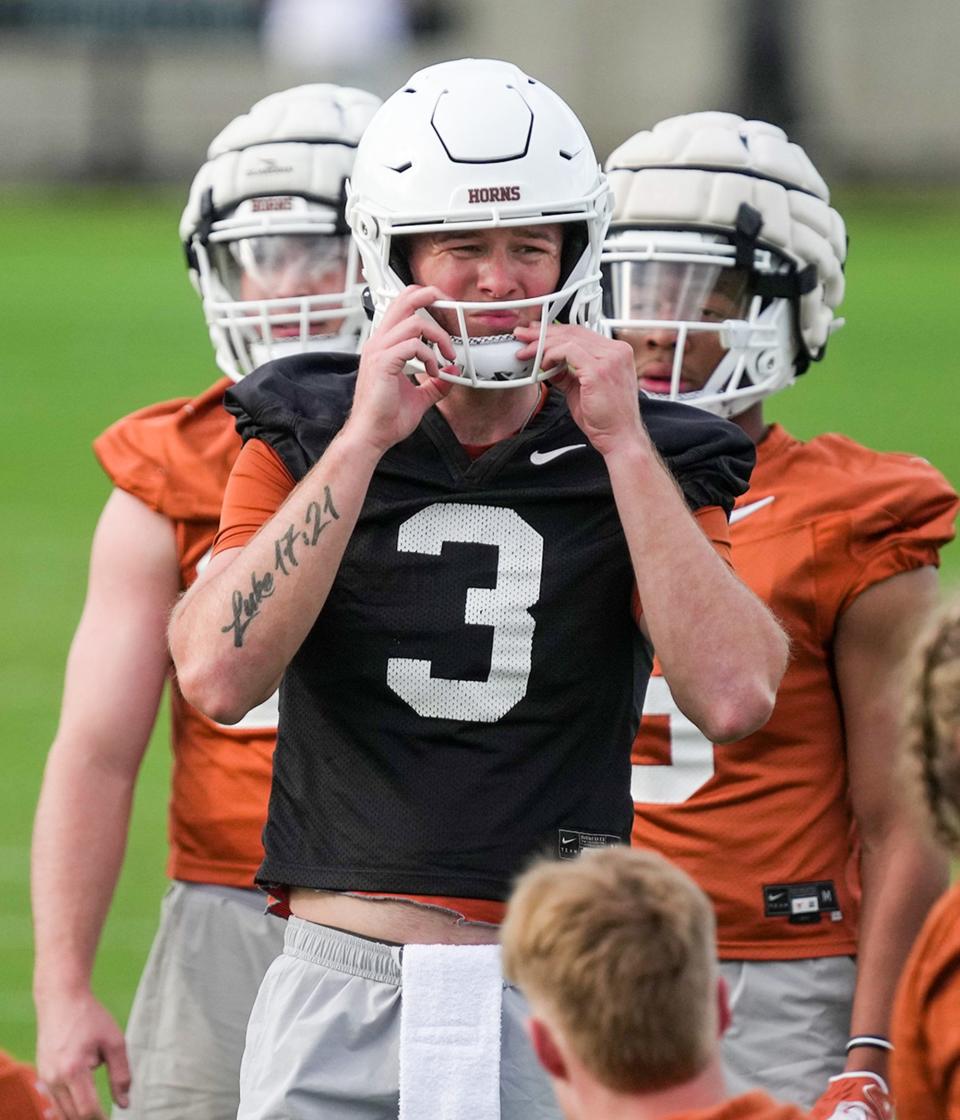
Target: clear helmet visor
275, 266
697, 329
680, 318
275, 285
675, 291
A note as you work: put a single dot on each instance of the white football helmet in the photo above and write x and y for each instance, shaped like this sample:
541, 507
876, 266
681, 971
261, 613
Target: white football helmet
267, 245
723, 250
473, 145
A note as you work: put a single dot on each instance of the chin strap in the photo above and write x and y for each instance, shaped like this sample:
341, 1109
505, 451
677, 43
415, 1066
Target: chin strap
208, 215
782, 285
366, 302
789, 285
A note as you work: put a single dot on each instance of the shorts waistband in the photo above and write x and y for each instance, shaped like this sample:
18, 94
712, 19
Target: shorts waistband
250, 897
333, 948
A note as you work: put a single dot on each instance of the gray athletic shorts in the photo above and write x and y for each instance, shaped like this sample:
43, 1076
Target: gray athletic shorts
324, 1033
189, 1017
791, 1022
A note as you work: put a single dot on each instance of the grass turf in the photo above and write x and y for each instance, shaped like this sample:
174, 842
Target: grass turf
100, 319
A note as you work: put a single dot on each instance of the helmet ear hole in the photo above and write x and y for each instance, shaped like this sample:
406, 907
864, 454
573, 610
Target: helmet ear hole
399, 261
576, 239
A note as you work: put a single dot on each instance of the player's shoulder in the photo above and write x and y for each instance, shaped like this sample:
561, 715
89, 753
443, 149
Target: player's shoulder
710, 457
296, 405
847, 456
676, 427
305, 388
834, 473
154, 424
301, 386
174, 455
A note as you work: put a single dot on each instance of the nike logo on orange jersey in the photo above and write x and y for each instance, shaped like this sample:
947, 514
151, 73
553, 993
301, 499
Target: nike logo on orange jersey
750, 507
538, 458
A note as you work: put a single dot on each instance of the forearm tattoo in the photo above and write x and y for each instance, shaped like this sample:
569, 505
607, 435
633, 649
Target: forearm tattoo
288, 548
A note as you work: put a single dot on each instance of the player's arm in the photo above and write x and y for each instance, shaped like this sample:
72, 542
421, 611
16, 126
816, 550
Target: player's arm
237, 629
901, 869
114, 678
719, 646
234, 632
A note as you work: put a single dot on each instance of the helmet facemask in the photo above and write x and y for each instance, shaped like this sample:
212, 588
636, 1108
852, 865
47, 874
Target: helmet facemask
701, 329
278, 276
489, 361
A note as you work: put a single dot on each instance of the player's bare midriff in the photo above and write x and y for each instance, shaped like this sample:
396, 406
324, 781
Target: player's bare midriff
406, 923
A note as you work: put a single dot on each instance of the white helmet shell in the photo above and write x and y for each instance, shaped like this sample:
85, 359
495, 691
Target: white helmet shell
293, 151
718, 173
470, 145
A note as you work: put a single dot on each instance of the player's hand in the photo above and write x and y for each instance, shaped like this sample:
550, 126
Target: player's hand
387, 404
856, 1095
597, 376
74, 1036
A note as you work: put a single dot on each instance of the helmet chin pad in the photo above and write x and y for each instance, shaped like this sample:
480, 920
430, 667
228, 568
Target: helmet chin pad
493, 358
263, 352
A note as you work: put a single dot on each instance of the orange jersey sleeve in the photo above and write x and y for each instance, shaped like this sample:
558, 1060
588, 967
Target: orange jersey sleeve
713, 521
765, 824
259, 484
925, 1064
176, 457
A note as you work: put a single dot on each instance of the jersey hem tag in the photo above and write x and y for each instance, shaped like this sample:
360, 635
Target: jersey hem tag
570, 842
801, 903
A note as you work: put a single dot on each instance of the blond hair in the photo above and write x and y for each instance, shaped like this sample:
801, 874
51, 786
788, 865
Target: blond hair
932, 726
618, 948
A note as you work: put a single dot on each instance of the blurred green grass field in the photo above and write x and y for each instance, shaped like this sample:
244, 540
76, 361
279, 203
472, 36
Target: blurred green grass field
98, 318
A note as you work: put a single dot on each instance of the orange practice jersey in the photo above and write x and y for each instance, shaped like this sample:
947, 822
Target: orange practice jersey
176, 458
764, 824
751, 1106
925, 1063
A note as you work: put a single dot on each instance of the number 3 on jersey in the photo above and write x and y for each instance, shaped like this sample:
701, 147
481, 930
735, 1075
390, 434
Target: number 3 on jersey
691, 754
504, 607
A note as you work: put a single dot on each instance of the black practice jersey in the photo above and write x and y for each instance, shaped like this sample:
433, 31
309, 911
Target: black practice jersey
469, 693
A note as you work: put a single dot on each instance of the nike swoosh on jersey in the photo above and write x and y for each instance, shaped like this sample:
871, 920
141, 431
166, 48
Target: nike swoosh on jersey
538, 458
749, 508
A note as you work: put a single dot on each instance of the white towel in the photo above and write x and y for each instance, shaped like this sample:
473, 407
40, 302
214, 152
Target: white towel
450, 1032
